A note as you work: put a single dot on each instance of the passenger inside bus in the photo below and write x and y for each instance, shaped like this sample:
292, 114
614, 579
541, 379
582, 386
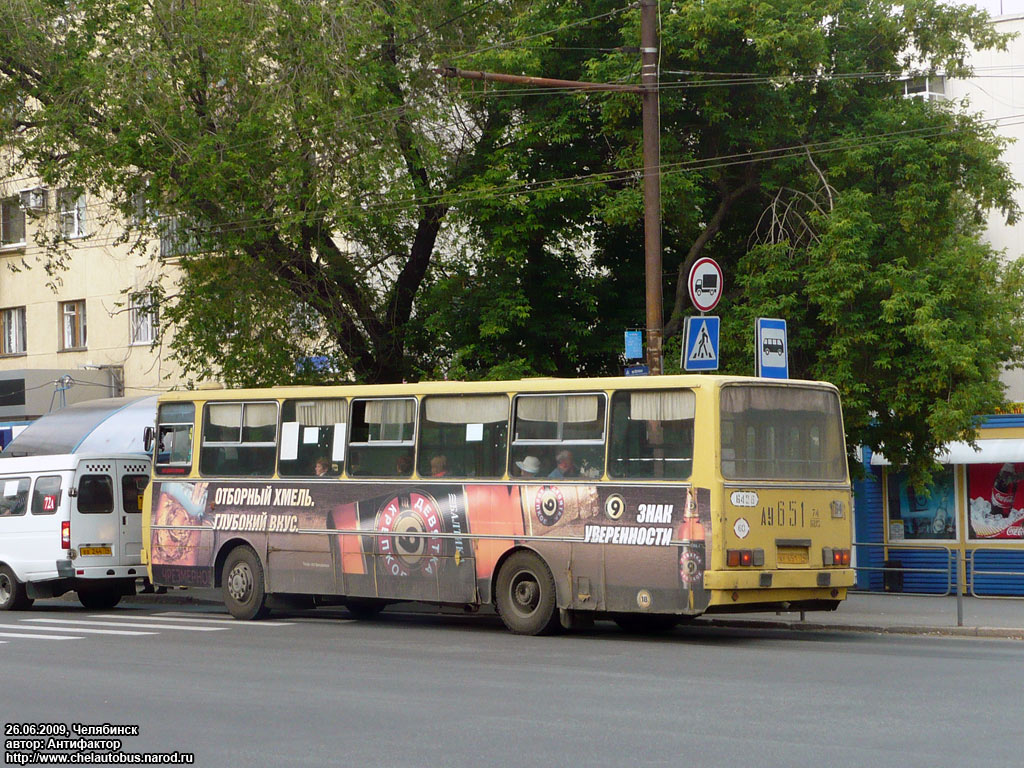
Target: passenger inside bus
439, 466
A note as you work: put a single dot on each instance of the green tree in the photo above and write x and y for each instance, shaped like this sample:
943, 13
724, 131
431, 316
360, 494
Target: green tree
296, 155
790, 155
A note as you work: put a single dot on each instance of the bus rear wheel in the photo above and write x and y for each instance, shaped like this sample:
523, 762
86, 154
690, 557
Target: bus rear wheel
242, 584
525, 595
99, 598
13, 595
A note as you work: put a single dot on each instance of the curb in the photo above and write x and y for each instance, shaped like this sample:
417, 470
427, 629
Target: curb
895, 629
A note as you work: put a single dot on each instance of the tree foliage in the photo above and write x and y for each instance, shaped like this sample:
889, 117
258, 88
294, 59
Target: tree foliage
342, 201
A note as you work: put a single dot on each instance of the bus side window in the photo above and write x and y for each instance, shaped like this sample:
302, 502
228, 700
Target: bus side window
652, 434
382, 439
564, 433
312, 438
14, 496
463, 436
95, 495
239, 439
46, 496
174, 438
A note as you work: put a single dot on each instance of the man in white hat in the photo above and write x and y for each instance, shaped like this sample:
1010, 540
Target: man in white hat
529, 466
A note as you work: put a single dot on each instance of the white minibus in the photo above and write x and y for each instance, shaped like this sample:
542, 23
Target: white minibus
71, 522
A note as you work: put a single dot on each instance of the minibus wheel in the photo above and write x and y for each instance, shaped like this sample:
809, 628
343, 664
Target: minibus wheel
525, 595
242, 583
13, 596
99, 598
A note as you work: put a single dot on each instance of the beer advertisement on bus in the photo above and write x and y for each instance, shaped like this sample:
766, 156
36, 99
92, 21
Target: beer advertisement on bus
424, 541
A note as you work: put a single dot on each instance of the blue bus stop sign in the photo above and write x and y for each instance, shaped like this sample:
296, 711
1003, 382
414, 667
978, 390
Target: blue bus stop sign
771, 352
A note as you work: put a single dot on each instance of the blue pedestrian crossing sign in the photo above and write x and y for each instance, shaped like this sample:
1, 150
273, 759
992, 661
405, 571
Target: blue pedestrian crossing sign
771, 352
700, 353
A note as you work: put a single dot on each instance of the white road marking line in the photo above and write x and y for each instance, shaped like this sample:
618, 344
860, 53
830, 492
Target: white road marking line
132, 631
120, 624
202, 620
40, 637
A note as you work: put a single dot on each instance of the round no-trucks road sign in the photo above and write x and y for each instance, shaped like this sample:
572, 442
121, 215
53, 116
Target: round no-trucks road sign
705, 284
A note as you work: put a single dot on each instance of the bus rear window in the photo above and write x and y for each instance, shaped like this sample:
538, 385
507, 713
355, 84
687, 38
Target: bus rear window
781, 433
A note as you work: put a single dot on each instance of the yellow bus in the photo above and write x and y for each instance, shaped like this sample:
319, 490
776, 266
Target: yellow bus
646, 500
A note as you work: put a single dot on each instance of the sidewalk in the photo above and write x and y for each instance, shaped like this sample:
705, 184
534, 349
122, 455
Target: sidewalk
900, 614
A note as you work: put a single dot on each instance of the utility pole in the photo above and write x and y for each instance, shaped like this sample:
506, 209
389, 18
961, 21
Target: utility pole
652, 181
648, 90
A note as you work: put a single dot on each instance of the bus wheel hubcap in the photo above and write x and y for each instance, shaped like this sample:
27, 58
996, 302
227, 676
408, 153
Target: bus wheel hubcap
5, 589
525, 593
240, 582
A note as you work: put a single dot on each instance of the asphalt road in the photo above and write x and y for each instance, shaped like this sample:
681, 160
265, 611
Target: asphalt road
319, 689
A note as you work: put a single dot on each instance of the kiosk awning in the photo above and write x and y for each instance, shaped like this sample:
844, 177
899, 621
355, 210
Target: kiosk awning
997, 451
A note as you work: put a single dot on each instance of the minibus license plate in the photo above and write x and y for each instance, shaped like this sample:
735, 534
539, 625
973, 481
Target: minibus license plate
95, 550
792, 556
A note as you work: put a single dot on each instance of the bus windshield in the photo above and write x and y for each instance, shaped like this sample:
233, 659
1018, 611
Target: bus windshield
781, 433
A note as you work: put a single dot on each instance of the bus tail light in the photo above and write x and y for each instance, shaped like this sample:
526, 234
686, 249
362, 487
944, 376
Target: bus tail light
830, 556
744, 557
65, 534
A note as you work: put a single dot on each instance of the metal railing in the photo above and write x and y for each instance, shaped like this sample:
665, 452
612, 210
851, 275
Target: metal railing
952, 557
950, 571
973, 572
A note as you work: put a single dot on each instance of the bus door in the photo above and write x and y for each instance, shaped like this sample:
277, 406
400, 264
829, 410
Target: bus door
96, 527
133, 479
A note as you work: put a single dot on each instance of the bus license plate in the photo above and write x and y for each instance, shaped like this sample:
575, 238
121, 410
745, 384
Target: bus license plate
792, 556
95, 551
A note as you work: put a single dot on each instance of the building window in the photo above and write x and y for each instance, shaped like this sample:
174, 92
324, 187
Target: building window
144, 319
12, 325
930, 88
177, 237
12, 222
72, 319
71, 211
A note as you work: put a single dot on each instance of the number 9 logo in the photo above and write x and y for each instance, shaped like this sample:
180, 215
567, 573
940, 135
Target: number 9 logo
614, 506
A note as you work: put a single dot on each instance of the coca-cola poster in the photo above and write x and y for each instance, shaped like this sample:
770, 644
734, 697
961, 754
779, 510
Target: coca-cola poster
919, 514
995, 495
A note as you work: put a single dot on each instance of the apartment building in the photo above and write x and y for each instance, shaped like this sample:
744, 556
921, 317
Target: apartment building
89, 325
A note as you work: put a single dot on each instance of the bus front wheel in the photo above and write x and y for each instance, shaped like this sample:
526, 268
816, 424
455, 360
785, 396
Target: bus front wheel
13, 596
242, 582
525, 596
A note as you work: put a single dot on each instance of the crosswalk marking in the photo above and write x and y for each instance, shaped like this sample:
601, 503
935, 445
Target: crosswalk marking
86, 622
171, 616
39, 637
129, 632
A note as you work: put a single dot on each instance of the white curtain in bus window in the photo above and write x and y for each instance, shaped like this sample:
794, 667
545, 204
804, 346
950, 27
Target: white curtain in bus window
781, 433
381, 437
312, 438
559, 436
463, 436
652, 434
239, 439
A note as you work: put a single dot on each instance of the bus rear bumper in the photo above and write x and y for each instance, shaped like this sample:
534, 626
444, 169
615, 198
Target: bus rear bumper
779, 579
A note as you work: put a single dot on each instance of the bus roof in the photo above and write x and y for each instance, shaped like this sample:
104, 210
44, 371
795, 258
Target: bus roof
693, 381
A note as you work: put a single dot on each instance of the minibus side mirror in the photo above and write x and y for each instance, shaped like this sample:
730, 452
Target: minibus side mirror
148, 434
